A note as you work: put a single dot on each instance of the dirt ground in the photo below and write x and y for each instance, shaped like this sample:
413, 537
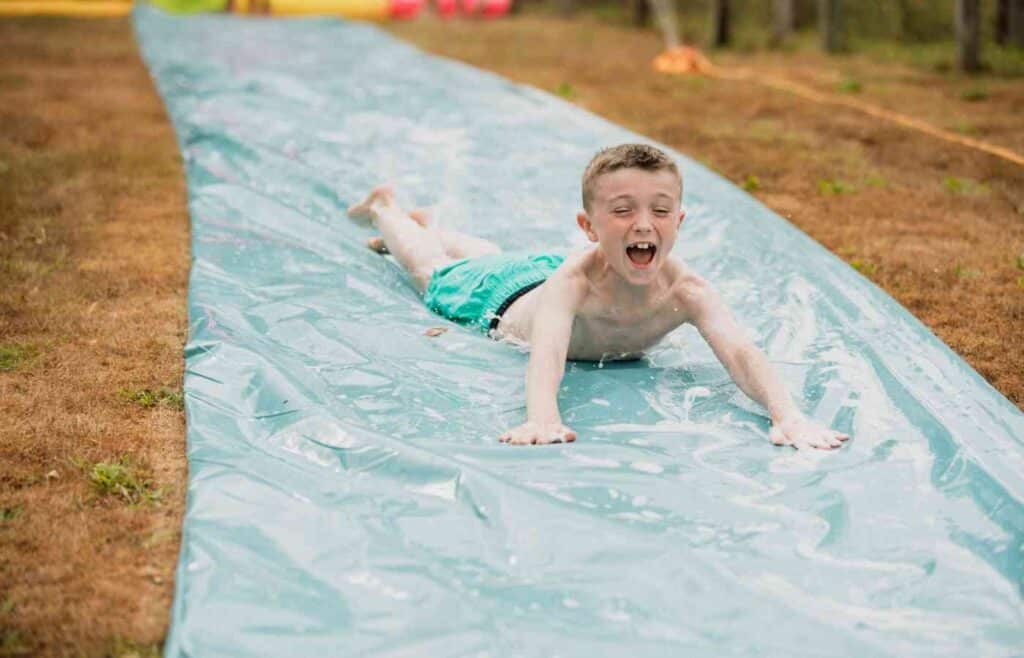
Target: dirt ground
94, 258
93, 275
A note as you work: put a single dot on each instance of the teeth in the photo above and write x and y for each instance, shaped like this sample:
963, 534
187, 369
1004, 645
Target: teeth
642, 245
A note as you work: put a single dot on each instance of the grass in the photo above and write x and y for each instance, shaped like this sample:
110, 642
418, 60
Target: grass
121, 478
864, 266
124, 648
850, 86
8, 514
12, 643
834, 187
14, 355
149, 398
974, 94
566, 90
966, 273
876, 180
751, 183
955, 185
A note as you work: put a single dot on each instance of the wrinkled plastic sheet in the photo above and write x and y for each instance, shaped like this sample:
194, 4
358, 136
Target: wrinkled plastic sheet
347, 495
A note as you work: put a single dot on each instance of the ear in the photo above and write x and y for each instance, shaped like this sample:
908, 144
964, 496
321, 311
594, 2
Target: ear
584, 223
682, 216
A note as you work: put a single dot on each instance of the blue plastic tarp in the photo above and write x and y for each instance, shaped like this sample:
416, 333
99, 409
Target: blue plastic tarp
347, 494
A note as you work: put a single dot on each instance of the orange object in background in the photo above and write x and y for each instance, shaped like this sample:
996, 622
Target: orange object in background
682, 59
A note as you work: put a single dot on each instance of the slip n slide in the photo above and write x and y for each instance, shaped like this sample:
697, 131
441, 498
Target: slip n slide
347, 491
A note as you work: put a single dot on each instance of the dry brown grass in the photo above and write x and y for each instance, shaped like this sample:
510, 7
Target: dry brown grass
936, 225
93, 261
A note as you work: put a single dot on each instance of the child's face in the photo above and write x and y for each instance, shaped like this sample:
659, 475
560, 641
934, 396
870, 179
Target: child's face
634, 217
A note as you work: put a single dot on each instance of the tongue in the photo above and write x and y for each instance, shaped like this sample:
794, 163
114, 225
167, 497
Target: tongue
640, 256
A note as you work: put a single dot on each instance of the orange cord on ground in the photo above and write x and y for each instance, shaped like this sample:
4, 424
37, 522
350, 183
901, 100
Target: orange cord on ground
687, 60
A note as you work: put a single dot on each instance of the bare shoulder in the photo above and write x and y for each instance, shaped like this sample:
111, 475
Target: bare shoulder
570, 279
692, 292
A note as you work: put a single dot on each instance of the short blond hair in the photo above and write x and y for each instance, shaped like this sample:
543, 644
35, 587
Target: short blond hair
626, 156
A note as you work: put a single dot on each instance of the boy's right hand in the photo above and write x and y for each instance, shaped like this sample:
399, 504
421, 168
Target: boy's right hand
530, 433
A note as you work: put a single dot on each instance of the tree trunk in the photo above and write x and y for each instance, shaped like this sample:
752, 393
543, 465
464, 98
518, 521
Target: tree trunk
1002, 21
566, 7
784, 20
805, 14
968, 22
720, 23
830, 23
1015, 23
640, 11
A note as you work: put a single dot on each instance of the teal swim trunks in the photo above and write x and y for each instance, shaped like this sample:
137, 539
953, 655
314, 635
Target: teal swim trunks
476, 291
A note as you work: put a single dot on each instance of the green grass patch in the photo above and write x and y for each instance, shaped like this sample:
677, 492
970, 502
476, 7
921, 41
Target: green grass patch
850, 86
864, 266
974, 94
1020, 282
1020, 261
834, 187
955, 185
966, 273
121, 478
157, 538
149, 398
123, 648
876, 180
8, 514
13, 355
751, 183
566, 90
13, 644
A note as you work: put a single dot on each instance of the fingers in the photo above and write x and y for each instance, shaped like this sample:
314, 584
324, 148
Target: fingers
530, 434
807, 436
777, 436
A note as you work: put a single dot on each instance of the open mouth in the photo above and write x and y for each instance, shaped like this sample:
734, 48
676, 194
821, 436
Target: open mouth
641, 253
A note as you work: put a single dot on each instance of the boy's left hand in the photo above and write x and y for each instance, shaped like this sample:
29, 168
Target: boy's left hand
800, 432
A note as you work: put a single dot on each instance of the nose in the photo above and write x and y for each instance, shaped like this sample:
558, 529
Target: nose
643, 222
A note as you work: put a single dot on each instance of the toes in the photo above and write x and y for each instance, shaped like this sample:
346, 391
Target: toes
377, 244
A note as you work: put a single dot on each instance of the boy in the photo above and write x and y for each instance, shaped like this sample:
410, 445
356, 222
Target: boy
619, 298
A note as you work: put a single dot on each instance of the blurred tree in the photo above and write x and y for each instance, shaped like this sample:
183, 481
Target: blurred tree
784, 20
968, 24
1002, 21
1015, 22
720, 23
806, 13
830, 23
639, 11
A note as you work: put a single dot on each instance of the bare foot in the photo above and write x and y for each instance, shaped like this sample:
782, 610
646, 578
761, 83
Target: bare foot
377, 244
364, 212
420, 215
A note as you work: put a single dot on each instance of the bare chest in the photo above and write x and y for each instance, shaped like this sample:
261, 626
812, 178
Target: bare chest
610, 335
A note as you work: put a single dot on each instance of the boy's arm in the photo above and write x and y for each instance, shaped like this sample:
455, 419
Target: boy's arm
549, 344
750, 369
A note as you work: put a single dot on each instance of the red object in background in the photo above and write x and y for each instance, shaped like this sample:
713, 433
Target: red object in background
446, 8
492, 8
470, 7
404, 8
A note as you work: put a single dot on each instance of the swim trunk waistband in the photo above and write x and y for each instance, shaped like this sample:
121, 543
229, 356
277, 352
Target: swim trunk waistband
477, 291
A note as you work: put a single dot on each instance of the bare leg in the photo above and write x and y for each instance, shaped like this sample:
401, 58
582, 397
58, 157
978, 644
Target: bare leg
457, 245
416, 247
